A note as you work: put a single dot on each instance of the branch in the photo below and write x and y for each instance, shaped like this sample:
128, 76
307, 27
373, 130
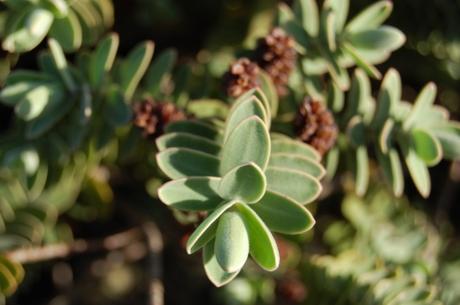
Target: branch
62, 250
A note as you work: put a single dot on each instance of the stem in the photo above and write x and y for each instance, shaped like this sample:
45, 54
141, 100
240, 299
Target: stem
79, 246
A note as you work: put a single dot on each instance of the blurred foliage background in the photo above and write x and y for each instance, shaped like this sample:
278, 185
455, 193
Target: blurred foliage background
363, 251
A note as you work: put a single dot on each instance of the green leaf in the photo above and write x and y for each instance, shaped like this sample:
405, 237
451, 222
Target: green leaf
268, 88
449, 136
385, 38
260, 95
361, 62
117, 112
335, 98
213, 270
301, 187
205, 232
243, 110
371, 17
340, 9
182, 162
59, 7
231, 246
102, 59
187, 140
297, 162
389, 97
67, 31
417, 170
208, 108
35, 101
195, 127
54, 111
134, 67
262, 245
19, 83
191, 194
161, 67
361, 170
245, 182
356, 131
61, 64
422, 104
8, 283
392, 169
290, 146
332, 162
328, 29
283, 215
307, 12
236, 150
30, 28
385, 136
359, 96
426, 146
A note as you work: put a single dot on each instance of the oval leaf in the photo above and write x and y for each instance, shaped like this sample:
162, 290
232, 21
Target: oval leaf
187, 140
245, 182
289, 146
301, 187
207, 229
213, 270
282, 214
236, 150
297, 162
426, 146
231, 246
262, 245
182, 162
191, 194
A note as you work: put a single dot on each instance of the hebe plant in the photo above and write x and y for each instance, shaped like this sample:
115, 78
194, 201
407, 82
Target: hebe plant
236, 162
248, 181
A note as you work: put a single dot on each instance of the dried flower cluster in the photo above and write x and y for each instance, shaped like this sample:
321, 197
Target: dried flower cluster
276, 54
315, 125
241, 77
152, 116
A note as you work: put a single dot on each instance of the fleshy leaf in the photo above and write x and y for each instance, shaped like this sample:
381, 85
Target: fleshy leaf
102, 59
422, 104
449, 136
426, 146
371, 17
231, 245
307, 12
67, 31
187, 140
207, 229
213, 270
385, 38
245, 182
294, 184
262, 245
389, 97
236, 150
392, 169
417, 169
195, 127
134, 67
243, 110
162, 65
282, 214
361, 170
178, 163
297, 162
191, 194
289, 146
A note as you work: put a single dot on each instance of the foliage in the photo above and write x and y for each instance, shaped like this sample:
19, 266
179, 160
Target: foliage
235, 165
247, 190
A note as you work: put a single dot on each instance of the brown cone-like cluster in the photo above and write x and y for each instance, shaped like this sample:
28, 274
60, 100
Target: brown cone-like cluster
276, 54
291, 290
315, 125
241, 77
152, 117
